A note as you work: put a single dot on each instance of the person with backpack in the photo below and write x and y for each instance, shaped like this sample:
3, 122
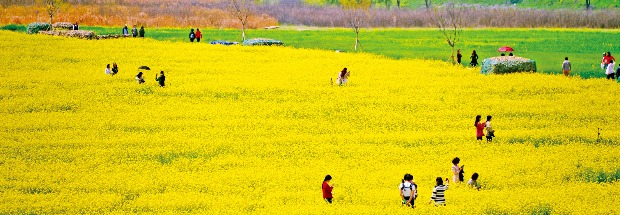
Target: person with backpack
198, 35
408, 191
439, 192
327, 189
192, 35
566, 67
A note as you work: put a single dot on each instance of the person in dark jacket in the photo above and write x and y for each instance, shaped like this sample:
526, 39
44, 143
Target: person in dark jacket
459, 56
192, 35
114, 69
134, 31
161, 79
141, 31
474, 59
139, 78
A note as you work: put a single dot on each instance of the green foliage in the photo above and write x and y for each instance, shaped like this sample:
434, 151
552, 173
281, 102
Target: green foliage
35, 27
14, 27
542, 209
507, 64
600, 176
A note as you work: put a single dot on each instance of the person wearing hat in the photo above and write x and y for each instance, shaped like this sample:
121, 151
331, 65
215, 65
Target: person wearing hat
327, 189
408, 191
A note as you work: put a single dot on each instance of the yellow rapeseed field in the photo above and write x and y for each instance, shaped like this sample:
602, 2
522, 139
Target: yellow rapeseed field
256, 129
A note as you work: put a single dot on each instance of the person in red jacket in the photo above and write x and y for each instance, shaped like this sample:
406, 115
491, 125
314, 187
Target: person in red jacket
479, 128
198, 35
327, 189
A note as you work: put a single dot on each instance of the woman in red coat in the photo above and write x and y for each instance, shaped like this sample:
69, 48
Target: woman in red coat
198, 35
327, 189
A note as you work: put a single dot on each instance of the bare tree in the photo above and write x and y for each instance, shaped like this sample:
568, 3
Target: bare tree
448, 19
241, 9
356, 13
53, 7
588, 5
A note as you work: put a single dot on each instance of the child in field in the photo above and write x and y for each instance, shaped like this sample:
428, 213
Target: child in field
610, 70
343, 77
479, 128
139, 78
107, 70
439, 192
490, 131
327, 189
473, 182
458, 171
566, 67
408, 191
161, 79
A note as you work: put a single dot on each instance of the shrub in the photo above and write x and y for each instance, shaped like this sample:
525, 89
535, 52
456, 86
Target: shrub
35, 27
13, 27
262, 42
507, 64
63, 26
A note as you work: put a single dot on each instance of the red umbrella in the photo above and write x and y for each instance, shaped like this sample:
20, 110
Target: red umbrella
505, 49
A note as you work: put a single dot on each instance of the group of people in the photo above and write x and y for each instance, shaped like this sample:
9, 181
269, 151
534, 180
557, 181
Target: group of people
134, 31
608, 64
195, 35
481, 126
161, 78
113, 71
473, 57
408, 189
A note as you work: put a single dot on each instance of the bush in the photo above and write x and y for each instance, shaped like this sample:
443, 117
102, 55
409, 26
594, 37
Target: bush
13, 27
507, 64
262, 42
63, 26
35, 27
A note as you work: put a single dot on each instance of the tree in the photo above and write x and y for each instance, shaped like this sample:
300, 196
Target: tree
588, 5
428, 3
53, 7
356, 12
241, 9
449, 21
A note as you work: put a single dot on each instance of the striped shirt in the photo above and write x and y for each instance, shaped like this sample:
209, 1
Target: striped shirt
438, 194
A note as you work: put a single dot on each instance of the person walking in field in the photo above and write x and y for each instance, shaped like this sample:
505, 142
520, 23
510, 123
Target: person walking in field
474, 59
343, 77
610, 70
566, 67
140, 78
327, 189
473, 182
439, 192
192, 35
198, 35
408, 191
459, 56
161, 79
141, 32
456, 170
107, 70
490, 131
134, 31
125, 30
479, 128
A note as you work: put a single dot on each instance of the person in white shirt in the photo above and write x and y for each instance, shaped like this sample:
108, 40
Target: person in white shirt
408, 191
610, 70
107, 70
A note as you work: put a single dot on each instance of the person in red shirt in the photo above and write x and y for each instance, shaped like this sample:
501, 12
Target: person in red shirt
327, 189
198, 35
479, 128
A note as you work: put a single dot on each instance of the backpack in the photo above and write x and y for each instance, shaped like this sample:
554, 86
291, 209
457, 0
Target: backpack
191, 35
409, 188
